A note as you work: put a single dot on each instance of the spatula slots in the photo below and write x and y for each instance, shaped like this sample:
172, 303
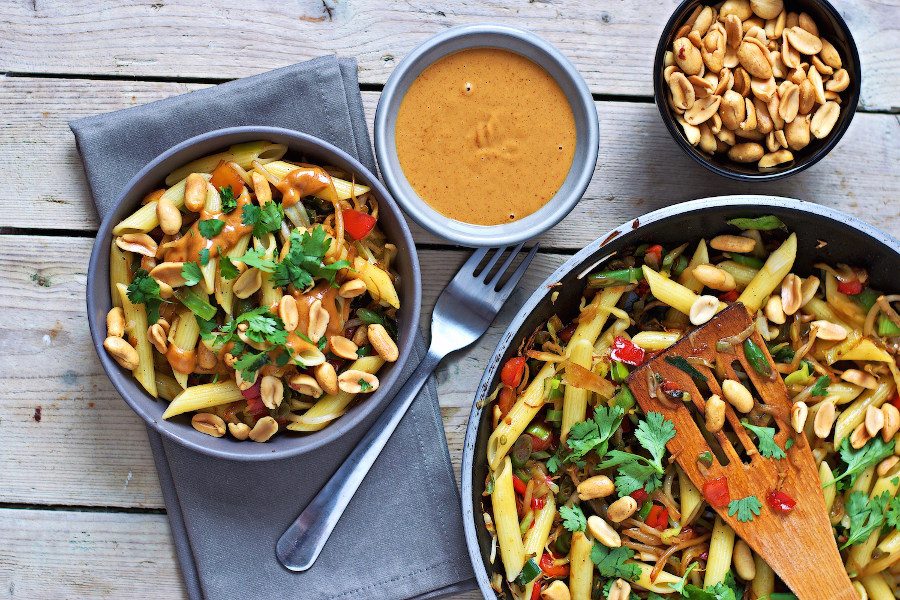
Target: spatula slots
799, 545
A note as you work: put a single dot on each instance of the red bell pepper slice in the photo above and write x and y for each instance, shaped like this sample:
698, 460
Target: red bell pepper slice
513, 371
536, 589
716, 492
658, 517
624, 350
640, 495
729, 296
519, 485
357, 224
851, 288
505, 400
654, 252
780, 502
896, 401
537, 503
225, 176
551, 569
255, 404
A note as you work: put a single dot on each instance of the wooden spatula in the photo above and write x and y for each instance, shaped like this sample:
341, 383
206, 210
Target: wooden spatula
799, 545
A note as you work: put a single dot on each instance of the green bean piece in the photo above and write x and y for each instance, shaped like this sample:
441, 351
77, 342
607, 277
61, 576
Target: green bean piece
618, 371
563, 542
681, 363
886, 327
624, 398
521, 451
747, 261
369, 317
767, 223
757, 358
618, 277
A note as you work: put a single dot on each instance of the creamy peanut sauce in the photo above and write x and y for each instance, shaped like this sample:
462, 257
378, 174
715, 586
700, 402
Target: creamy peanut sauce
302, 182
336, 317
187, 248
485, 136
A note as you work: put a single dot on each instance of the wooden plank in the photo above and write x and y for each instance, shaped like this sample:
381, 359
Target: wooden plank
640, 167
68, 554
611, 43
90, 440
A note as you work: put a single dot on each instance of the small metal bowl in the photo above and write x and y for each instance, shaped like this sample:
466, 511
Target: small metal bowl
832, 27
538, 51
179, 429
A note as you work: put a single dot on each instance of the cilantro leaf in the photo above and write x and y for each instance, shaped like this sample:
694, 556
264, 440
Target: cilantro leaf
191, 273
893, 513
264, 219
573, 518
143, 289
724, 590
866, 516
304, 261
227, 269
594, 433
364, 386
210, 228
653, 433
263, 326
635, 472
554, 463
858, 461
229, 202
204, 257
679, 587
611, 562
745, 508
207, 329
765, 441
256, 258
820, 388
249, 363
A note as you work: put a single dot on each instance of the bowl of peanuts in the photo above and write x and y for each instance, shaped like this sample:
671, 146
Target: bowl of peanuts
756, 89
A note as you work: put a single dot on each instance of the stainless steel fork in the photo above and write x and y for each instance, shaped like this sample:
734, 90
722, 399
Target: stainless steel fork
463, 312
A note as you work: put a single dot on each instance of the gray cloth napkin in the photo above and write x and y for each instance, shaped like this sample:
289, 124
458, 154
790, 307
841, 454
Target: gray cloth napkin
401, 535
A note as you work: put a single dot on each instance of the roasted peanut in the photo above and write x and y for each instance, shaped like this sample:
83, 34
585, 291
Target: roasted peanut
598, 486
621, 509
122, 352
242, 383
353, 381
382, 343
352, 288
746, 152
733, 243
169, 216
891, 421
557, 590
826, 330
874, 421
247, 283
804, 41
860, 437
737, 395
789, 105
239, 431
773, 159
318, 321
714, 277
715, 414
767, 9
824, 119
824, 419
264, 429
799, 414
860, 378
702, 110
360, 337
139, 243
829, 55
287, 310
326, 376
791, 294
740, 8
620, 590
168, 273
306, 385
603, 532
343, 347
272, 391
683, 95
209, 424
886, 466
687, 56
774, 311
797, 133
703, 309
195, 192
157, 336
754, 58
115, 322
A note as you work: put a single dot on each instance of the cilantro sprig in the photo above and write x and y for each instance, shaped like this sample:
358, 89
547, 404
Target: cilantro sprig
745, 508
143, 289
210, 228
635, 471
573, 518
765, 441
304, 261
611, 562
858, 461
229, 202
264, 219
191, 273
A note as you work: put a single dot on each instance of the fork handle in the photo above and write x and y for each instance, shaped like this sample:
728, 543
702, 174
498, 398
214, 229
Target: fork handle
300, 544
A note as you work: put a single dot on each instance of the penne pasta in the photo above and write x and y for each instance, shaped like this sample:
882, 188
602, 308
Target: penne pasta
243, 154
182, 350
853, 415
769, 277
199, 397
655, 340
763, 584
145, 218
119, 272
506, 521
721, 546
136, 323
575, 399
581, 569
536, 538
344, 190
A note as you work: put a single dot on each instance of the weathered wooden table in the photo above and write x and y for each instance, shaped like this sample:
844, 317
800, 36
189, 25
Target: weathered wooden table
80, 507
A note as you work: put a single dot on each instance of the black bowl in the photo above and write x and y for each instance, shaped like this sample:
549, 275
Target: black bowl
179, 428
832, 27
849, 240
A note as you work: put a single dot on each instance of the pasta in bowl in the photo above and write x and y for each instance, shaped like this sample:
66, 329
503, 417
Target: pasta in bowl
568, 489
262, 290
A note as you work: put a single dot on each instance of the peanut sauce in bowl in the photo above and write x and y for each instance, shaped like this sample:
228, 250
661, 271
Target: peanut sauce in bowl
486, 135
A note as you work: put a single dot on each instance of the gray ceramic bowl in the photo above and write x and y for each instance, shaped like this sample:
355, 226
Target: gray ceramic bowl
849, 241
538, 51
179, 429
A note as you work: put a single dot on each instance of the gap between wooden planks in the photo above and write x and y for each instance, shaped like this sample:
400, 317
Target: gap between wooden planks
611, 43
640, 167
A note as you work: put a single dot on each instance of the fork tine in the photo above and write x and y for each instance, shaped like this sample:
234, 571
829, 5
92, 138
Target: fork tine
498, 252
507, 289
470, 265
505, 265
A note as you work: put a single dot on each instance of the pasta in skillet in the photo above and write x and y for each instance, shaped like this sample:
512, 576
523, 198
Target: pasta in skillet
582, 499
254, 293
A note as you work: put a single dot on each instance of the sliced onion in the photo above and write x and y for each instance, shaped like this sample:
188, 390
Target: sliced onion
652, 384
739, 338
